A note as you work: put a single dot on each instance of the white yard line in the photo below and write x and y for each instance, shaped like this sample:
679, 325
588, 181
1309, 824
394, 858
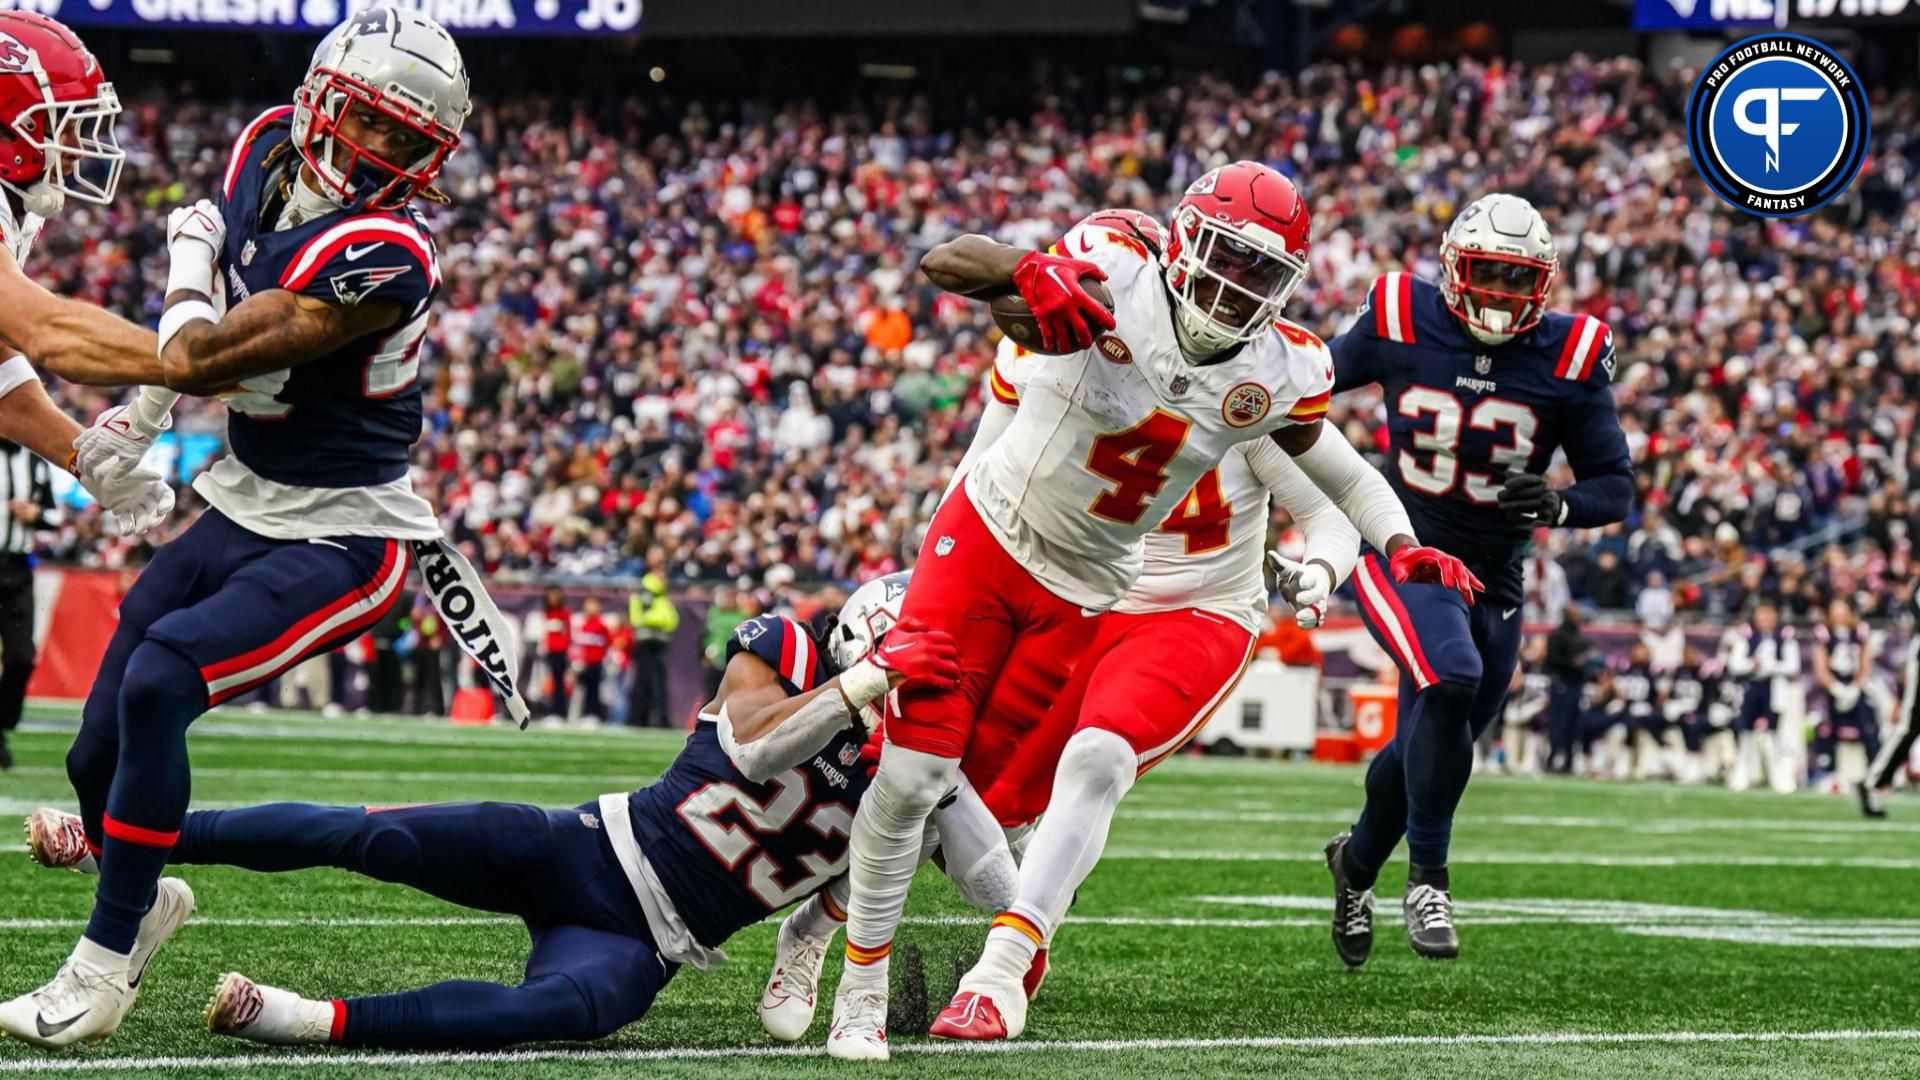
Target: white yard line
364, 1059
1522, 858
1677, 826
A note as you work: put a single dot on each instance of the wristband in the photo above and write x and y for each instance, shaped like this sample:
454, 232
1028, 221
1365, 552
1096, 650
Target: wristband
179, 315
190, 269
152, 410
15, 372
864, 683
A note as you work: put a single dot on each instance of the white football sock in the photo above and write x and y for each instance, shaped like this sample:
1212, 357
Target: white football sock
96, 958
885, 845
1096, 770
822, 915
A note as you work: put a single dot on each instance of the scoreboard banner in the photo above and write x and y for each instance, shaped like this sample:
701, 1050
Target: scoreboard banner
524, 17
1754, 15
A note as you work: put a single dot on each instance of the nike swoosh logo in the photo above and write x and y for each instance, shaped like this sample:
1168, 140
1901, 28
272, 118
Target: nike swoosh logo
891, 649
1508, 612
354, 254
1054, 273
48, 1031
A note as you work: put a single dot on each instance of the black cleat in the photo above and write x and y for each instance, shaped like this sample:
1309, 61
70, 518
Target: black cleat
1872, 801
1429, 915
1352, 908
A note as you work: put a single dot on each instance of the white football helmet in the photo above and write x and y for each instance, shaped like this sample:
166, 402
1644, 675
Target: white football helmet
402, 74
1499, 264
868, 614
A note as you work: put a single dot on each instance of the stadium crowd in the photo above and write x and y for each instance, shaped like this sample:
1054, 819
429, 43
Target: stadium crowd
696, 344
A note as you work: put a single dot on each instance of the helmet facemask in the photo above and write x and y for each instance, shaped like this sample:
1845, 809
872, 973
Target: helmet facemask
1228, 282
1498, 296
76, 147
349, 168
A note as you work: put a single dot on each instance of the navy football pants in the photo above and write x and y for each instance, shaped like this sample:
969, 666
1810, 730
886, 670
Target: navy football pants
1456, 664
593, 968
219, 611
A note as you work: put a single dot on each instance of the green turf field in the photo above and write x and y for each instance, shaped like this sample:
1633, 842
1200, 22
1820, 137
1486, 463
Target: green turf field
1608, 930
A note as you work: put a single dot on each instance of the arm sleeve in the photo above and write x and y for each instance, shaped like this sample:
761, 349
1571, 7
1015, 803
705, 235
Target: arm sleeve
1357, 488
1332, 537
1602, 492
792, 742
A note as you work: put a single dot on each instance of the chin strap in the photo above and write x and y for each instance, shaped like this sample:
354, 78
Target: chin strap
43, 199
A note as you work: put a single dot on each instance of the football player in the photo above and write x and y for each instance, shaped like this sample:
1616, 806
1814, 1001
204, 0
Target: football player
1482, 386
617, 893
57, 114
312, 518
1896, 750
1162, 660
1046, 532
1844, 657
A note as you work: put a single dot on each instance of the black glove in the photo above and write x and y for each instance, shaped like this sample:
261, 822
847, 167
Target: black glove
1526, 497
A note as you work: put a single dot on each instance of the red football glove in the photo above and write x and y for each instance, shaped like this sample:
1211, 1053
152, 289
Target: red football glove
923, 657
1434, 567
1050, 284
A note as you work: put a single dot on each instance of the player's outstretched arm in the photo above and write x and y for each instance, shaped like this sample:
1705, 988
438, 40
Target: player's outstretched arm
979, 267
973, 265
76, 341
765, 732
266, 332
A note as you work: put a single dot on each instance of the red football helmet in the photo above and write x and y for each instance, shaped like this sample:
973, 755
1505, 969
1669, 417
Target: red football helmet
1236, 252
56, 116
1135, 223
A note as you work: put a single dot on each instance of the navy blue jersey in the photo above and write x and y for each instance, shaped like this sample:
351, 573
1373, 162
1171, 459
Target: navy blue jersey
346, 419
730, 851
1463, 415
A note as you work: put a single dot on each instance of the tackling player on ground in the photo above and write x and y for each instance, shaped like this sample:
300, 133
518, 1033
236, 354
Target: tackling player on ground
617, 893
306, 541
57, 114
1482, 386
1046, 532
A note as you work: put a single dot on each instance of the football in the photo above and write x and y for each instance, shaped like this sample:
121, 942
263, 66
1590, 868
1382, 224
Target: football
1015, 319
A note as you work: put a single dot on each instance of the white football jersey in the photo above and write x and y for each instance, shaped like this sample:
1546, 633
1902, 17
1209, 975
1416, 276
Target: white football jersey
1209, 552
19, 234
1108, 441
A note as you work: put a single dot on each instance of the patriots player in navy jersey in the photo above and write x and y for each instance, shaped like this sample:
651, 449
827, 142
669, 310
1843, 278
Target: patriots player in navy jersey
1482, 387
330, 271
620, 892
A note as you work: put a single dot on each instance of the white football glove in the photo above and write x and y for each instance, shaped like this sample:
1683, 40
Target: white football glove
137, 500
1306, 586
1845, 696
112, 448
199, 222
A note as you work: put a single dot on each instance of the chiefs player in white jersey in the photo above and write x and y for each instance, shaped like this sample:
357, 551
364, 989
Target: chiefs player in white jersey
57, 114
1106, 443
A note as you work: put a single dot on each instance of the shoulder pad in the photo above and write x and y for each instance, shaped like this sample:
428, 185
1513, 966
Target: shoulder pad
1391, 301
244, 145
1307, 371
388, 255
782, 645
1586, 347
1099, 244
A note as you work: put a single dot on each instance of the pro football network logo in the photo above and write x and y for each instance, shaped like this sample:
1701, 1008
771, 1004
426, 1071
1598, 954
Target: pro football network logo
1778, 125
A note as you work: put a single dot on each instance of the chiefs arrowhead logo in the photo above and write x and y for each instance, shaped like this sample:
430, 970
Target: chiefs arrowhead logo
1246, 405
1113, 349
14, 56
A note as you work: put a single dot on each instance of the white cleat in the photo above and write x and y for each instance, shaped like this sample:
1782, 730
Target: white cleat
788, 1003
83, 1004
244, 1009
859, 1031
172, 906
56, 840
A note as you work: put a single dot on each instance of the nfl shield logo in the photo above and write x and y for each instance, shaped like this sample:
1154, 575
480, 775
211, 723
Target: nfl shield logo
246, 254
1178, 386
945, 545
1483, 364
849, 754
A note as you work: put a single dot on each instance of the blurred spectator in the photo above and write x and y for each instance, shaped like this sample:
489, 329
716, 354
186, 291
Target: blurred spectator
429, 669
557, 646
654, 620
386, 675
1284, 641
1566, 664
591, 640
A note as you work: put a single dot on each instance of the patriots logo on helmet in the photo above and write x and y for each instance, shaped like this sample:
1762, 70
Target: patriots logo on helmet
14, 56
354, 286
